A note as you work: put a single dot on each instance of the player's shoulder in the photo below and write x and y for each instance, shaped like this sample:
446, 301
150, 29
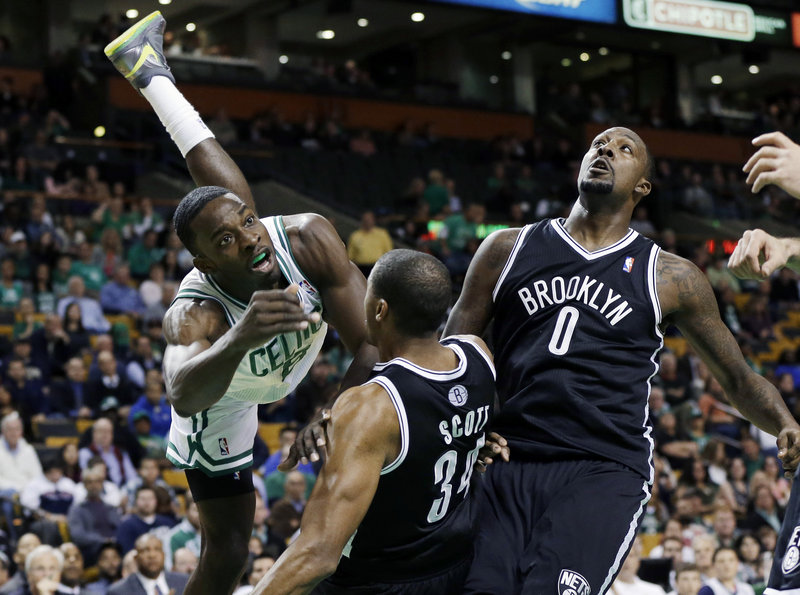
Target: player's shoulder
681, 284
367, 406
474, 339
496, 248
671, 268
315, 243
186, 320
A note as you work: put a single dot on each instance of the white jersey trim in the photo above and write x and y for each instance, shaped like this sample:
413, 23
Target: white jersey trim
482, 353
771, 591
438, 375
629, 537
615, 247
511, 258
652, 287
397, 401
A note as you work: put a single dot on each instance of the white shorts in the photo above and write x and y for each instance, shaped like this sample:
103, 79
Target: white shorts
218, 440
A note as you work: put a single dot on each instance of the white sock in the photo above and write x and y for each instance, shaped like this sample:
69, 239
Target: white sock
183, 123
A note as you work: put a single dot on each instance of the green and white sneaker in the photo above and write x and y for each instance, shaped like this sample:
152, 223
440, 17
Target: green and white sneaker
138, 53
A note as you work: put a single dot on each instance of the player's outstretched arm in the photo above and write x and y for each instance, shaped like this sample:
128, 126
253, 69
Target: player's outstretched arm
777, 161
758, 255
210, 165
321, 253
364, 436
203, 352
688, 302
475, 305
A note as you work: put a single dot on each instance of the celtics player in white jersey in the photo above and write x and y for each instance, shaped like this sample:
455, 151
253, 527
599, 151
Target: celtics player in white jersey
247, 322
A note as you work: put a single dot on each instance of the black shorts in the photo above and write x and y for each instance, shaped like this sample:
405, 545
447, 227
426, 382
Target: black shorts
547, 528
204, 487
785, 574
450, 582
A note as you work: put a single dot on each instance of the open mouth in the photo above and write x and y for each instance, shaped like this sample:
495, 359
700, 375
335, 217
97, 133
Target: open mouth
261, 262
599, 165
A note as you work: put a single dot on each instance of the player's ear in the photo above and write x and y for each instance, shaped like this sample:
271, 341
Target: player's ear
381, 310
202, 264
643, 188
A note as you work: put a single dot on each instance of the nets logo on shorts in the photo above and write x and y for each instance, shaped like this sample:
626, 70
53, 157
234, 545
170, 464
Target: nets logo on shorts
457, 395
224, 451
572, 583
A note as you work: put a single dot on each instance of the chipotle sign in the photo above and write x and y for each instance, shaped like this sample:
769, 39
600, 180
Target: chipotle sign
707, 18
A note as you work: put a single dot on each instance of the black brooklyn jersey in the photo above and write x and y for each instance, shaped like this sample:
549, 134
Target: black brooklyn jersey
575, 339
785, 574
421, 522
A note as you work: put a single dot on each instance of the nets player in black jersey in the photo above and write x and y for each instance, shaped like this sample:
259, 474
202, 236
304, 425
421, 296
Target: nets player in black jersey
579, 307
758, 255
393, 499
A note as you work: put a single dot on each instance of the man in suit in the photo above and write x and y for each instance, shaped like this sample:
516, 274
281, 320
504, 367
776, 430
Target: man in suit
150, 577
92, 522
70, 396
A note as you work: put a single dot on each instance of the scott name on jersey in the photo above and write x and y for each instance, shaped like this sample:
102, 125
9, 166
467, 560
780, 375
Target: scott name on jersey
455, 427
584, 289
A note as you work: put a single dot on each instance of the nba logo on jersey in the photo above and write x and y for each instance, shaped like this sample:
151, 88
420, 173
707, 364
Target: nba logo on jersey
791, 559
223, 447
572, 583
628, 266
307, 286
457, 395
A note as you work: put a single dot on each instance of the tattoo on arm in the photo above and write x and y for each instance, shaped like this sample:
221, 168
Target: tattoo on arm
689, 303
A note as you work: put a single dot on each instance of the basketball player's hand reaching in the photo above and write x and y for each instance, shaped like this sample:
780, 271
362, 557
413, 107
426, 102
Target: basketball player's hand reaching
308, 445
789, 450
272, 313
496, 446
758, 255
777, 161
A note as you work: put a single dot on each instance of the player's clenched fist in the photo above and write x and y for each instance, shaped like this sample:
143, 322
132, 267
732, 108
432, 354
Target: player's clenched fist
271, 313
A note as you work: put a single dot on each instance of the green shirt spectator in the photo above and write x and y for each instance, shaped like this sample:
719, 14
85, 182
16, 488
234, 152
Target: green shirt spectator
436, 194
112, 214
61, 275
91, 274
11, 290
460, 228
144, 254
276, 480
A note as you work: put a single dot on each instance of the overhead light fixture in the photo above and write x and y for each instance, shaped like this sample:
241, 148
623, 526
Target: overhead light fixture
190, 27
100, 131
566, 62
164, 2
418, 17
603, 51
283, 59
506, 55
716, 80
494, 79
131, 13
362, 22
326, 34
753, 69
584, 56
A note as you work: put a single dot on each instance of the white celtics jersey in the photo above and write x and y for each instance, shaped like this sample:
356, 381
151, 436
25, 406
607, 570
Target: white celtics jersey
270, 372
